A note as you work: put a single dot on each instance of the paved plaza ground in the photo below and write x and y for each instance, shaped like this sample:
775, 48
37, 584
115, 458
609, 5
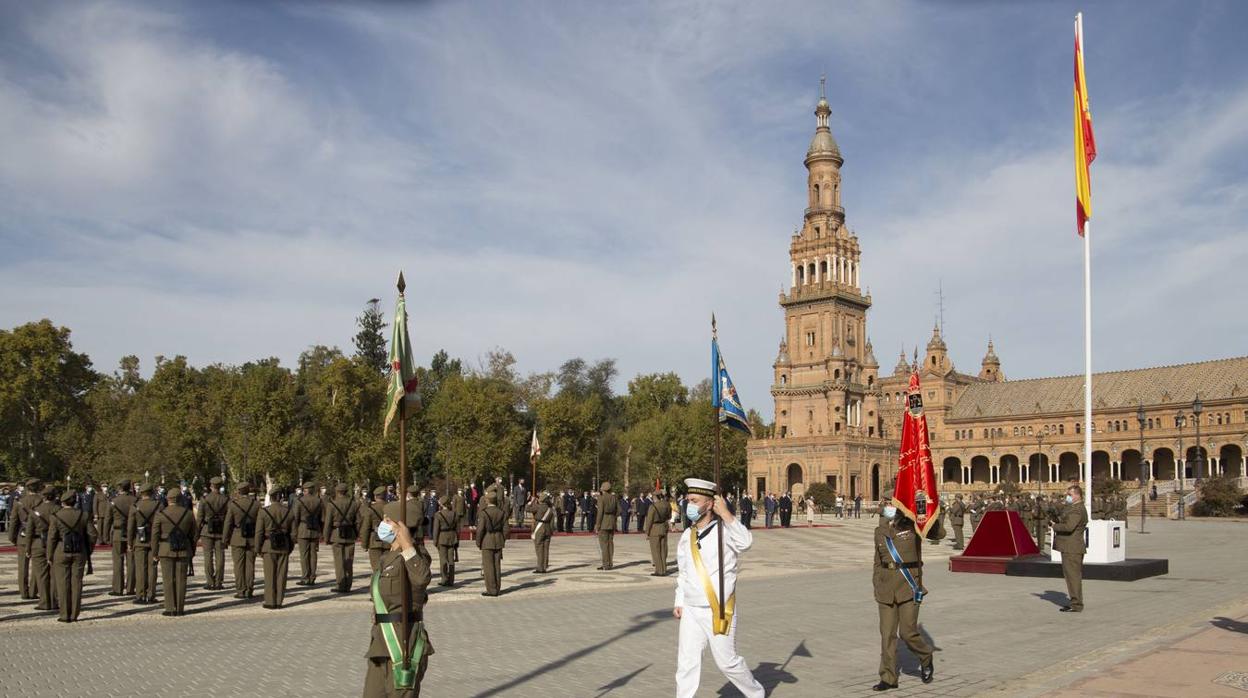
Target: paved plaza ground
807, 625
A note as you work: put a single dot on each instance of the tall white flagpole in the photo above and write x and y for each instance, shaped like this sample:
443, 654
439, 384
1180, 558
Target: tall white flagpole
1087, 334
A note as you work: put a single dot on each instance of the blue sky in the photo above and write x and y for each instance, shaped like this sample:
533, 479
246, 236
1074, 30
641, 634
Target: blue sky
234, 180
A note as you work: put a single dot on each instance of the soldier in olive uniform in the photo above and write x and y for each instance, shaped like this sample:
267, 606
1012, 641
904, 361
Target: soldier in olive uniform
239, 532
143, 544
957, 514
309, 517
40, 523
212, 509
491, 537
606, 519
459, 507
655, 528
1069, 523
370, 516
175, 533
71, 535
543, 511
123, 559
387, 591
342, 527
445, 535
274, 541
897, 601
19, 535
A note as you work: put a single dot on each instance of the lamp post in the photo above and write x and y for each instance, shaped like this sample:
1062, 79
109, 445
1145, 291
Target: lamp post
1179, 421
1197, 408
1139, 417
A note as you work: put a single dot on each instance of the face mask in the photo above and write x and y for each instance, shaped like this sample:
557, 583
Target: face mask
385, 532
890, 512
1070, 499
692, 511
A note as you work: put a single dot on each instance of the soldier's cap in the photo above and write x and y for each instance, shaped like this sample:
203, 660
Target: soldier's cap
379, 490
445, 501
606, 487
958, 496
276, 492
491, 497
34, 483
693, 485
145, 488
216, 481
124, 484
308, 485
68, 496
49, 491
243, 489
340, 488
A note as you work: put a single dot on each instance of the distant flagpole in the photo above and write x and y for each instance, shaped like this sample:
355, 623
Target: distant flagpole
1085, 153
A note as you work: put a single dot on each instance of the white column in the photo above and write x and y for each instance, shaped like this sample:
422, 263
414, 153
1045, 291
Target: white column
853, 267
835, 261
1152, 472
793, 271
828, 260
1025, 470
805, 276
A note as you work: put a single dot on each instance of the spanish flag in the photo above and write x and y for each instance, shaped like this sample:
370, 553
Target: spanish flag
1085, 143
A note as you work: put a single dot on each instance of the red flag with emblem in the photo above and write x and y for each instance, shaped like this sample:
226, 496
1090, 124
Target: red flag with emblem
915, 493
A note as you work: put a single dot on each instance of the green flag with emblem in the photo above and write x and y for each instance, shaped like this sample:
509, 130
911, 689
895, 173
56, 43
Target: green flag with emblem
403, 385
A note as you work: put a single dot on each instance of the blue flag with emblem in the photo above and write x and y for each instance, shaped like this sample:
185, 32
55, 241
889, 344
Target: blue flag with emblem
724, 396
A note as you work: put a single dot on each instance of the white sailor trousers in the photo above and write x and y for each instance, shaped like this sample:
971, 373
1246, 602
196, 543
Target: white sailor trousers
695, 635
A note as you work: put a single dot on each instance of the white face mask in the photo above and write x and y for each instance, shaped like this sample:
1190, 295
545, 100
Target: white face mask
385, 532
1070, 499
890, 512
692, 511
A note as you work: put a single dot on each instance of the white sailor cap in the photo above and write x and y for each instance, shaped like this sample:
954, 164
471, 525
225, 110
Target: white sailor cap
703, 487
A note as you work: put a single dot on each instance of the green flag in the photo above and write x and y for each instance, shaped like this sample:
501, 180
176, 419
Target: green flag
403, 384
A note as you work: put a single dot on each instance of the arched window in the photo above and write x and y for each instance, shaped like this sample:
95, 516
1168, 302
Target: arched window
1061, 428
816, 199
1016, 431
801, 275
823, 266
871, 381
985, 433
812, 272
1078, 427
784, 380
837, 374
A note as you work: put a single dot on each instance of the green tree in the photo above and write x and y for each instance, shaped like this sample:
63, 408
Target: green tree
43, 388
477, 427
370, 340
1217, 496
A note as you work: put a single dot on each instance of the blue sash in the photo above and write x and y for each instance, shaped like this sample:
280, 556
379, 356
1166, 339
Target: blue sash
914, 586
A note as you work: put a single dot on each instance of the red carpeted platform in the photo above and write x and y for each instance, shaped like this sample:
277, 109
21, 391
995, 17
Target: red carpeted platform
1000, 539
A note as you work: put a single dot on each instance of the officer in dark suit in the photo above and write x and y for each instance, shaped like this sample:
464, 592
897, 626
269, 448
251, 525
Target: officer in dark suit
143, 545
86, 504
1069, 524
19, 534
643, 506
123, 560
626, 509
747, 509
769, 509
587, 503
176, 534
785, 506
274, 540
898, 602
71, 535
569, 510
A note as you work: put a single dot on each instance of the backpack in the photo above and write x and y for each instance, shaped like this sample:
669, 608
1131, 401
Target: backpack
248, 525
74, 542
314, 517
178, 540
279, 537
216, 522
143, 532
346, 529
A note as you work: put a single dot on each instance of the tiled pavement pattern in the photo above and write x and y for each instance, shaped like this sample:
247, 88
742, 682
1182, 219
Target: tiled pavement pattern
807, 625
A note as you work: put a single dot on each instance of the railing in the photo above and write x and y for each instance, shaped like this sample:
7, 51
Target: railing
835, 210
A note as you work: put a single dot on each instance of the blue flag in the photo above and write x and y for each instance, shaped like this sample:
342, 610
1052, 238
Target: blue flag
724, 394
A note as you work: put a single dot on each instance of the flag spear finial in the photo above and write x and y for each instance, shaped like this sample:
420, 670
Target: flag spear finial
714, 330
402, 285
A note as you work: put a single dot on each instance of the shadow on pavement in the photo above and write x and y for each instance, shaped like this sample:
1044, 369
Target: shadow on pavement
620, 682
1235, 626
634, 624
771, 674
1056, 598
526, 585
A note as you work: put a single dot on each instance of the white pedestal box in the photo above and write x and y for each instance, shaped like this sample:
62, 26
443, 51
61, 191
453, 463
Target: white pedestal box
1106, 541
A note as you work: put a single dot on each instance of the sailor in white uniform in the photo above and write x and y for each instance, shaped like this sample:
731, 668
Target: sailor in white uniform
698, 592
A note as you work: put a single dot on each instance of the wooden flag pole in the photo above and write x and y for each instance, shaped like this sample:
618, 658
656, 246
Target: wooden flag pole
719, 537
406, 596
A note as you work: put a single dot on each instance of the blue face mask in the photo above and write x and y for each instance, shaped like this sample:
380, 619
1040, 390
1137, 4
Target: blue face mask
1070, 499
385, 532
890, 512
692, 511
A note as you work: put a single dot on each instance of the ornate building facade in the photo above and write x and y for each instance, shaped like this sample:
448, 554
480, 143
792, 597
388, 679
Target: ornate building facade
837, 420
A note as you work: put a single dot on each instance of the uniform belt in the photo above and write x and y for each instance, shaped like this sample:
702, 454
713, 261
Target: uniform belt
906, 565
414, 617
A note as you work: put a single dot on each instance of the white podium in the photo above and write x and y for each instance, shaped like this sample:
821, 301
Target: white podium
1106, 541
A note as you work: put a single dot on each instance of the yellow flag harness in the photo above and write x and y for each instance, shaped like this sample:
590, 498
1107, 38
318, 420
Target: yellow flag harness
719, 624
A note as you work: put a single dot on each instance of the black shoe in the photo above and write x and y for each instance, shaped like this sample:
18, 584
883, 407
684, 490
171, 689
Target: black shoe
115, 593
881, 686
926, 673
62, 620
598, 567
1068, 609
486, 593
166, 613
